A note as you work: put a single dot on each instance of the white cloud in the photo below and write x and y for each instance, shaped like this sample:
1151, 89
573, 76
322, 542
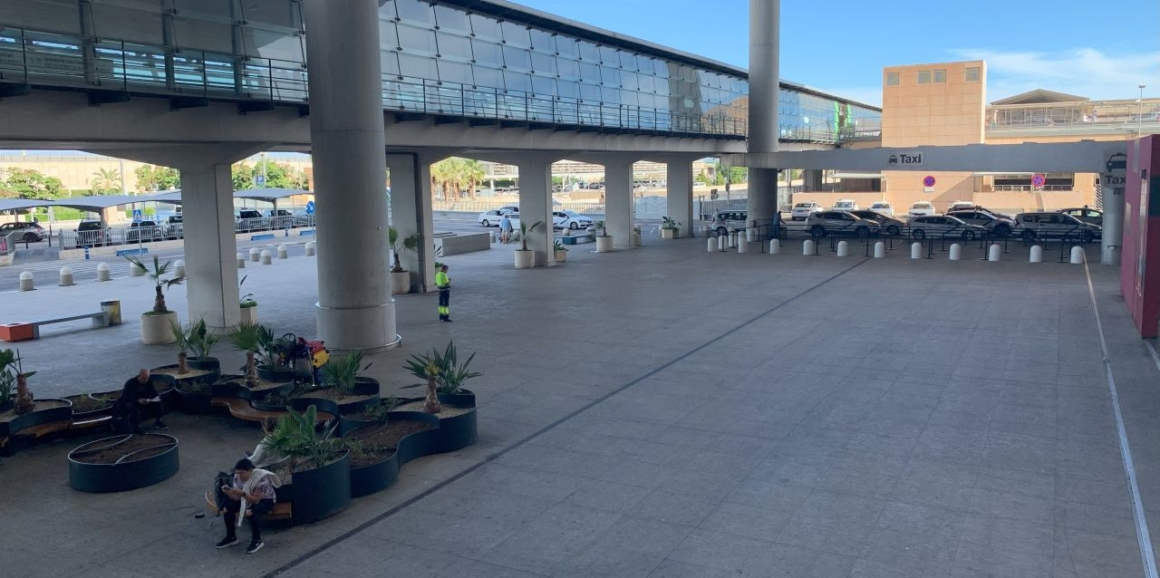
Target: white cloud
1081, 71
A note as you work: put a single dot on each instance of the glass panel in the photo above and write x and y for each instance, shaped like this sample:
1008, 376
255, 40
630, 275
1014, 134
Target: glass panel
457, 72
58, 15
589, 51
388, 36
628, 80
487, 76
661, 68
609, 56
544, 41
543, 86
543, 63
516, 34
610, 94
418, 67
891, 79
415, 11
454, 46
275, 45
645, 82
390, 62
484, 27
589, 72
567, 47
568, 68
517, 81
203, 35
417, 40
568, 89
132, 21
628, 97
517, 58
452, 19
487, 53
590, 92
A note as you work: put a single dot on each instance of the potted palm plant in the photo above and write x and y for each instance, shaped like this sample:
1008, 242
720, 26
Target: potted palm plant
446, 396
400, 277
249, 338
156, 325
526, 258
344, 384
319, 463
670, 229
560, 250
248, 306
603, 239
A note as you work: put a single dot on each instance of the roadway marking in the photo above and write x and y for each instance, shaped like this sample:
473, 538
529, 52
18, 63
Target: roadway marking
491, 458
1142, 534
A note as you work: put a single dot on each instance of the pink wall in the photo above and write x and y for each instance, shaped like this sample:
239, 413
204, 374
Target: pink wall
1140, 265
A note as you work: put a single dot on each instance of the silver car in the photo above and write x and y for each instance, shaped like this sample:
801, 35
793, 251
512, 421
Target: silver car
802, 211
999, 225
1032, 226
724, 221
840, 223
886, 223
1087, 215
944, 226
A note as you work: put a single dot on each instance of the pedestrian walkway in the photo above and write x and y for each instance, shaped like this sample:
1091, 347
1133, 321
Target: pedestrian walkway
669, 412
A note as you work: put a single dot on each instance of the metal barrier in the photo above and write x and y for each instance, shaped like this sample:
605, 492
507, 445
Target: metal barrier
132, 234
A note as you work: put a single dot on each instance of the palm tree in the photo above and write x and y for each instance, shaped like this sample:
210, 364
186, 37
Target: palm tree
158, 275
474, 174
106, 180
398, 245
248, 337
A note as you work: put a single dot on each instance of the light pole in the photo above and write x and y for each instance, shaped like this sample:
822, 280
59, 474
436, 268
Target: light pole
1140, 115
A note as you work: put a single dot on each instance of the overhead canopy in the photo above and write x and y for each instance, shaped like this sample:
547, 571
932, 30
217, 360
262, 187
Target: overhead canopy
98, 203
21, 204
857, 175
173, 197
1040, 96
269, 195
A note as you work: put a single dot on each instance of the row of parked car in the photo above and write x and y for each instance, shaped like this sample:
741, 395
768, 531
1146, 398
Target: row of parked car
965, 222
93, 233
560, 219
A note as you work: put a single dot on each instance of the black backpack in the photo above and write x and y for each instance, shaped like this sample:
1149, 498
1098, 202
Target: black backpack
219, 497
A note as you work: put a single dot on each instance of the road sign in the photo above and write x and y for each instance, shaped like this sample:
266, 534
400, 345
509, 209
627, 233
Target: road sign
928, 181
260, 180
309, 207
1038, 181
138, 214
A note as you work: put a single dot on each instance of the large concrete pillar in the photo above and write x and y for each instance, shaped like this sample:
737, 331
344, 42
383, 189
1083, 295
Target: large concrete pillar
207, 209
618, 205
812, 180
679, 176
764, 39
536, 206
1113, 184
355, 308
411, 214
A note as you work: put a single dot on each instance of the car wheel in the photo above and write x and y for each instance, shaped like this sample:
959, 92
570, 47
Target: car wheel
485, 223
892, 230
1028, 236
573, 225
818, 231
968, 235
721, 231
918, 234
31, 238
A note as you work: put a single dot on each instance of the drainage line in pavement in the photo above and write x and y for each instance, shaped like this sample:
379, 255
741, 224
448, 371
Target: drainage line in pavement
379, 518
1142, 535
1155, 356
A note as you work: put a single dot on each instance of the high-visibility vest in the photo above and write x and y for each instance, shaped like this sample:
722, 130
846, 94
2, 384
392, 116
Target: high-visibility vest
442, 281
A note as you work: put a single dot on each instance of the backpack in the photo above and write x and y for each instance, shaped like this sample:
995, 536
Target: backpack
319, 355
219, 497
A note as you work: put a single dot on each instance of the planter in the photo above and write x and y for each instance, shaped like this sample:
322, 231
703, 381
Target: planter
378, 476
604, 244
157, 328
235, 386
461, 398
206, 363
96, 407
250, 315
400, 282
525, 259
364, 387
324, 492
279, 375
458, 431
44, 411
561, 256
121, 463
209, 372
7, 405
670, 234
195, 401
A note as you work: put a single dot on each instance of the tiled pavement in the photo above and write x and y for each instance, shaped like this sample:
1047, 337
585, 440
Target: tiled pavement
670, 413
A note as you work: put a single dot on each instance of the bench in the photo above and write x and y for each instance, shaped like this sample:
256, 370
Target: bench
241, 409
280, 513
45, 429
31, 329
577, 239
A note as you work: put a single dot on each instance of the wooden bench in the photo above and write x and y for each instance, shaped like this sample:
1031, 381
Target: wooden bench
241, 409
280, 513
45, 429
21, 331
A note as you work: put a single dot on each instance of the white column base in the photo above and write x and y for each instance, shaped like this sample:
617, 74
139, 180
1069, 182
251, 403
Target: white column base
362, 328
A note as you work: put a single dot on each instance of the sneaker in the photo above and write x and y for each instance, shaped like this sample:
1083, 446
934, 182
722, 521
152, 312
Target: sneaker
448, 320
255, 546
227, 542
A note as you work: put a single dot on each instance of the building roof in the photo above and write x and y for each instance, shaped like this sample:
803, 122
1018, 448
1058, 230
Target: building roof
1041, 96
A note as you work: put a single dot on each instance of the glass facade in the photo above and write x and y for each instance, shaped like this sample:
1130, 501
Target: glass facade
436, 59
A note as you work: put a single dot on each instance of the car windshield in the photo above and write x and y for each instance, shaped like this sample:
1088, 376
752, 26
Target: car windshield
803, 205
880, 206
921, 206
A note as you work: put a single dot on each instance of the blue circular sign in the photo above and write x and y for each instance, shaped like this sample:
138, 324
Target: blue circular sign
928, 181
309, 207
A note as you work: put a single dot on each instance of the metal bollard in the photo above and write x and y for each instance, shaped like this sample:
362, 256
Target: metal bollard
994, 253
732, 240
721, 243
241, 261
66, 277
808, 247
112, 309
749, 235
775, 247
179, 269
135, 271
956, 252
1036, 254
843, 249
267, 257
282, 251
310, 248
916, 250
103, 273
255, 255
1077, 255
712, 245
879, 250
742, 244
26, 283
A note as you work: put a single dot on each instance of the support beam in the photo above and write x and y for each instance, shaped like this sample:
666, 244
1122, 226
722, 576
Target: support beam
812, 180
618, 205
355, 308
536, 206
764, 88
411, 214
679, 178
207, 201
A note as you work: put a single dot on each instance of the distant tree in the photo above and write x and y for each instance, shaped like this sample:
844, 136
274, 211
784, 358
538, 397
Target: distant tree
243, 176
157, 178
31, 184
105, 181
278, 176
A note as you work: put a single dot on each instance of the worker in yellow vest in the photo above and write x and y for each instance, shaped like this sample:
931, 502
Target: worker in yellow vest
443, 283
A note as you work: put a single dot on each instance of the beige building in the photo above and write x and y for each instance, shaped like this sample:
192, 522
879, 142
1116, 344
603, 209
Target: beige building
945, 104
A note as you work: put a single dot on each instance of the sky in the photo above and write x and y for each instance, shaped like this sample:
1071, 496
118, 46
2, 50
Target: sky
1097, 50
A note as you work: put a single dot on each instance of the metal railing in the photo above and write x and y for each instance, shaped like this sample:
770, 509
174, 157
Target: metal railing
1123, 113
1032, 188
42, 58
129, 234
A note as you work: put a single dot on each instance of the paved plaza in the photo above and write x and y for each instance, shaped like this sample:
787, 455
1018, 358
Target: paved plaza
667, 412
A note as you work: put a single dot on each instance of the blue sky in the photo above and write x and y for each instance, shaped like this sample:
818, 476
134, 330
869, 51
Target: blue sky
1099, 50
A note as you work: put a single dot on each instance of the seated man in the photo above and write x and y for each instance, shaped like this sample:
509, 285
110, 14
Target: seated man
138, 395
252, 492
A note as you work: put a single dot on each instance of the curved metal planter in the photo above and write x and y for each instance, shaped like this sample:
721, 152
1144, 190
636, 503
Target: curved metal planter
37, 417
210, 364
325, 491
462, 398
458, 432
376, 477
125, 474
364, 386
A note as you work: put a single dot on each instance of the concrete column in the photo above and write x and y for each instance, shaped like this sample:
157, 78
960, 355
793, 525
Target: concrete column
536, 205
411, 213
679, 175
1113, 184
355, 308
207, 208
812, 180
764, 75
618, 205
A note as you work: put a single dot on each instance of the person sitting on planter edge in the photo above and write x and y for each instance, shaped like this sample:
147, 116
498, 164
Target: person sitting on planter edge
137, 396
252, 492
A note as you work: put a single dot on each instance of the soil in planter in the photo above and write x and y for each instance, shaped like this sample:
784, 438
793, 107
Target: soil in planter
448, 411
38, 405
260, 385
153, 445
191, 374
333, 394
85, 404
380, 441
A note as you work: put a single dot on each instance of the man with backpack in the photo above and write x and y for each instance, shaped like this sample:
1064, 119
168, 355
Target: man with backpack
250, 495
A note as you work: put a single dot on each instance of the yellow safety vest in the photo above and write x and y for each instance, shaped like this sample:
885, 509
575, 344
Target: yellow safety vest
442, 281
